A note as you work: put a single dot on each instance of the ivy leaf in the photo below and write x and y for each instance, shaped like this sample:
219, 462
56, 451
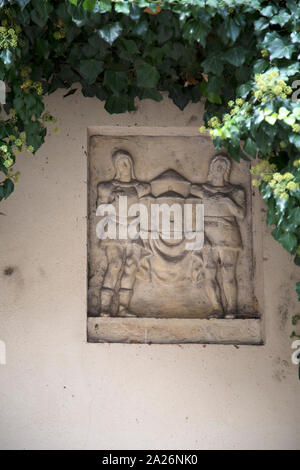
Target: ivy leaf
295, 140
272, 119
213, 64
122, 7
141, 28
115, 81
193, 30
135, 12
179, 96
270, 220
33, 105
164, 33
214, 98
290, 120
152, 94
104, 5
232, 30
244, 90
110, 32
267, 194
260, 66
280, 49
288, 241
282, 18
268, 11
250, 147
90, 69
8, 187
235, 56
42, 48
293, 7
293, 219
156, 54
22, 3
214, 85
70, 92
213, 3
292, 69
41, 11
283, 113
67, 74
261, 24
89, 90
6, 56
35, 134
295, 37
118, 104
89, 4
147, 76
130, 46
236, 153
80, 17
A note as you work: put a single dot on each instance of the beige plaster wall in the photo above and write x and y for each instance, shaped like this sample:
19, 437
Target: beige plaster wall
58, 391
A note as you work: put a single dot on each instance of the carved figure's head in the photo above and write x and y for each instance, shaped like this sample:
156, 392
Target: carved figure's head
123, 164
219, 169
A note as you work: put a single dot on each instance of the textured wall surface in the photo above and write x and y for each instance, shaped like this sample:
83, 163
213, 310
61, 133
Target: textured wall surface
58, 391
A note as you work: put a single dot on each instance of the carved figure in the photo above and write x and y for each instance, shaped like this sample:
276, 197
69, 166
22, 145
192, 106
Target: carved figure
209, 274
224, 205
122, 256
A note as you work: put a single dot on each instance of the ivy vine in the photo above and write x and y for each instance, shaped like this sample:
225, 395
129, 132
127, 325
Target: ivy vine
242, 56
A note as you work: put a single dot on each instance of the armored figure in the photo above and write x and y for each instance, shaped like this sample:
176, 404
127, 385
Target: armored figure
224, 204
122, 255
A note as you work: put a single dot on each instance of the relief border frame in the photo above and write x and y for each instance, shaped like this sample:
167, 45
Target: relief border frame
239, 331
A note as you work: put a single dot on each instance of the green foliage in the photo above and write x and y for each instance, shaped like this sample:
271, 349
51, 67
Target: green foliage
119, 50
282, 196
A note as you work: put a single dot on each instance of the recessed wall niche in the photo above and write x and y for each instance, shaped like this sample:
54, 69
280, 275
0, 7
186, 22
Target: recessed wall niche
176, 289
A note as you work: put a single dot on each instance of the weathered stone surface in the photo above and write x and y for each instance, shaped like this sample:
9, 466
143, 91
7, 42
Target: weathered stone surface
164, 331
157, 286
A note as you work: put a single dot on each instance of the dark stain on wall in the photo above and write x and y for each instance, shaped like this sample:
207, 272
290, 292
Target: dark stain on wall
8, 271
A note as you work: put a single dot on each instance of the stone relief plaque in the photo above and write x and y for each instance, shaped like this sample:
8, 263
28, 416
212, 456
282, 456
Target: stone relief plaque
182, 282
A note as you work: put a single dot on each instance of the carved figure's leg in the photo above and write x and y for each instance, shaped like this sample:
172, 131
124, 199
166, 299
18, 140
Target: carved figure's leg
229, 259
106, 297
210, 264
124, 301
114, 254
133, 253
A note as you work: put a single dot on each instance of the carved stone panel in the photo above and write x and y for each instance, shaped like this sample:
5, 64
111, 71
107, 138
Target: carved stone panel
196, 283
